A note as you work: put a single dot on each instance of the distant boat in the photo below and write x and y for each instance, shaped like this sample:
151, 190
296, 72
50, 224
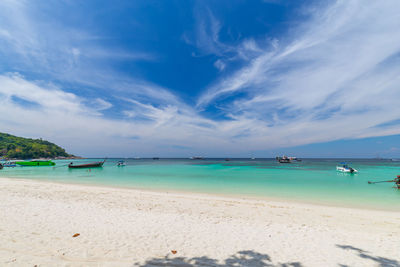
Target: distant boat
286, 159
156, 158
87, 165
197, 157
345, 168
36, 163
121, 163
283, 159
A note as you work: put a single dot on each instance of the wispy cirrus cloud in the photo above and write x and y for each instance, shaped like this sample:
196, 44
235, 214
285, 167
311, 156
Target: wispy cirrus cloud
206, 33
206, 38
335, 77
34, 41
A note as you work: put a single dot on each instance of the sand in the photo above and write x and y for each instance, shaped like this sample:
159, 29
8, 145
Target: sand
126, 227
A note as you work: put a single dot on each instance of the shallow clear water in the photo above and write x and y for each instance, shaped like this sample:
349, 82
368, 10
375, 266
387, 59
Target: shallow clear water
312, 180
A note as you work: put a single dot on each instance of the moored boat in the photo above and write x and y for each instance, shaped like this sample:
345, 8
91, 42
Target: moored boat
35, 163
121, 163
87, 165
283, 159
345, 168
294, 159
9, 164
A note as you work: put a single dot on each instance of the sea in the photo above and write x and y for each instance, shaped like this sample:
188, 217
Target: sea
313, 181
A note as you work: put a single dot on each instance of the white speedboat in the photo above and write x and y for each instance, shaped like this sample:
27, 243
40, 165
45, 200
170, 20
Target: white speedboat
346, 168
121, 163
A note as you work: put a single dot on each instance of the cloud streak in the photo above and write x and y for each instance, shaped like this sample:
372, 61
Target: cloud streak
335, 78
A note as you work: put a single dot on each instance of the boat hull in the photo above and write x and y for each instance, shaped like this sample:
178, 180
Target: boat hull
283, 159
35, 163
346, 170
89, 165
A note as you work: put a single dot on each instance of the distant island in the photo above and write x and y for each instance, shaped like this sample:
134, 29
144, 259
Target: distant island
14, 147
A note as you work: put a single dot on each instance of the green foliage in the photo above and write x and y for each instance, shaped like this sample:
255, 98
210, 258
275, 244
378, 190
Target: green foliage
14, 147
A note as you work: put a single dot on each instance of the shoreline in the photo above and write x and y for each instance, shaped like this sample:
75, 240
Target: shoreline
300, 201
127, 227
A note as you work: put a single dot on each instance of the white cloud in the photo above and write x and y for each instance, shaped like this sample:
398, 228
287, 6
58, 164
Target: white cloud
101, 104
207, 40
76, 52
77, 124
337, 78
14, 85
207, 34
31, 40
219, 64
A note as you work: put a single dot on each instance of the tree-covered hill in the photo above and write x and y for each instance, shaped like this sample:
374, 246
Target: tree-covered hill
14, 147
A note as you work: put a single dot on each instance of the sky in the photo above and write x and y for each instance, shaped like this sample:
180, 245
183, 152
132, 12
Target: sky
227, 78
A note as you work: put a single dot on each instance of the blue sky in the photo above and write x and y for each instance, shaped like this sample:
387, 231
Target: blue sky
212, 78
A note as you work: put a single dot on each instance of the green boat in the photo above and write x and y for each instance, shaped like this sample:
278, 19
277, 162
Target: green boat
36, 163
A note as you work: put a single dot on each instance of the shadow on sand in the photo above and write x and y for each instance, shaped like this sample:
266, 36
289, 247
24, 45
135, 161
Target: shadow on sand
380, 261
241, 258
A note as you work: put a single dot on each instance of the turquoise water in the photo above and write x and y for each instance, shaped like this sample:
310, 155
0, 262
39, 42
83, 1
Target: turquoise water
312, 180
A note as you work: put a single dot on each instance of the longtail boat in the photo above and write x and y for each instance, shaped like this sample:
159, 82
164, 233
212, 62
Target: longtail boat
87, 165
36, 163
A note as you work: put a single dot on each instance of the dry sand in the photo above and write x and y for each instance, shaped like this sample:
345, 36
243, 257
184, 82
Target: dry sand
124, 227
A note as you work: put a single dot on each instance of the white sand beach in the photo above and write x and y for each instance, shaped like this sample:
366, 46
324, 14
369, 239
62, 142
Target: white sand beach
125, 227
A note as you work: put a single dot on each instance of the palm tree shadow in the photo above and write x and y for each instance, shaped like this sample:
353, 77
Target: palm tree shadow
381, 261
241, 258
